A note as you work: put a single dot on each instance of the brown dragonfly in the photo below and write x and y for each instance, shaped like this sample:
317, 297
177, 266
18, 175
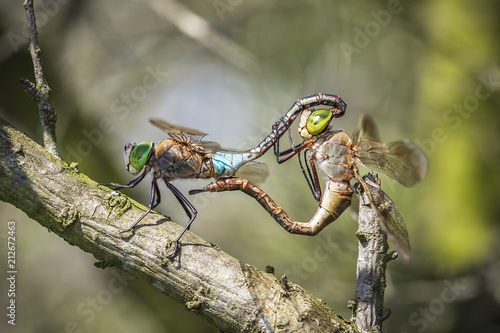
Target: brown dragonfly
184, 155
337, 155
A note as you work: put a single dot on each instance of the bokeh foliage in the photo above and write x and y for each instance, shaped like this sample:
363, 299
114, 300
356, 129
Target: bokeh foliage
427, 71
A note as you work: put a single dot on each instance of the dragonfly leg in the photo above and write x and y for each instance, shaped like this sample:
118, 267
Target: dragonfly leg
158, 195
182, 200
279, 129
131, 184
289, 153
154, 191
311, 177
188, 208
335, 201
290, 140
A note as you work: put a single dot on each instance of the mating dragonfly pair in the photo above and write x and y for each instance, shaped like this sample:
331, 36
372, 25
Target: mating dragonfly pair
334, 152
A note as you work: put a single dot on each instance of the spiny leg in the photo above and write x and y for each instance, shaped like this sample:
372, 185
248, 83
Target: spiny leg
158, 195
279, 129
131, 184
154, 191
311, 177
289, 153
192, 212
317, 186
181, 199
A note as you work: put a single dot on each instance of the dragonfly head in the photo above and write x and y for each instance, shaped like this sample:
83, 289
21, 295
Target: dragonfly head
313, 122
137, 155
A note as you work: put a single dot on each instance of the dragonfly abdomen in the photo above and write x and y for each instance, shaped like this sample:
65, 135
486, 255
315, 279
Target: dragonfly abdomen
336, 197
225, 164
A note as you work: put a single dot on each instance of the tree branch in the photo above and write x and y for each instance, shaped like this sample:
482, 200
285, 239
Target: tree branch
230, 294
372, 262
40, 91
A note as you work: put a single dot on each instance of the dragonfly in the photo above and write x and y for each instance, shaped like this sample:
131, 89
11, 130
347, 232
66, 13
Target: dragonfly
186, 155
183, 155
338, 155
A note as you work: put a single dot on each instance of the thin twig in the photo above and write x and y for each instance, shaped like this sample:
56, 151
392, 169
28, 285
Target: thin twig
372, 263
40, 91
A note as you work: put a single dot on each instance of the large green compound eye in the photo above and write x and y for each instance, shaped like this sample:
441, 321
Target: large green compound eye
318, 121
140, 154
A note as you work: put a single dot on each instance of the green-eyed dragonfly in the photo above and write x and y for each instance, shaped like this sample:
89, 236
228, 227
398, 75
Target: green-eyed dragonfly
185, 155
337, 155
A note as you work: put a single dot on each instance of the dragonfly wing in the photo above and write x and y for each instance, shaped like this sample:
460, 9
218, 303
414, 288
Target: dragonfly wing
366, 130
400, 160
355, 207
210, 146
256, 172
389, 216
178, 133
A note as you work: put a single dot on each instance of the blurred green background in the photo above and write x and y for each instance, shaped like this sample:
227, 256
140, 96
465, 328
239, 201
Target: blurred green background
427, 71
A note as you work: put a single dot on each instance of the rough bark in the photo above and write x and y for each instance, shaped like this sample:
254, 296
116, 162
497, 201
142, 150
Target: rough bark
230, 294
372, 263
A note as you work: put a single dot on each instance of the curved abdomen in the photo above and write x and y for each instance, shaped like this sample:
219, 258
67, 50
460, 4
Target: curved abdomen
336, 198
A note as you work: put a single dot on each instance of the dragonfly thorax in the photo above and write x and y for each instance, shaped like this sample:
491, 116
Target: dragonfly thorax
179, 160
334, 155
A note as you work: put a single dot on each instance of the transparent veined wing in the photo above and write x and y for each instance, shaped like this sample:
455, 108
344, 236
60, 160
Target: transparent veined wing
400, 160
256, 172
178, 133
389, 216
366, 130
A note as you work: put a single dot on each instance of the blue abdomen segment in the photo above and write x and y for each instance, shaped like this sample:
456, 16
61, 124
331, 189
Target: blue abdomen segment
226, 164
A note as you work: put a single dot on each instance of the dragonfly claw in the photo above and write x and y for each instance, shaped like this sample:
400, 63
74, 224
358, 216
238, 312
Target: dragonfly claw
173, 254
